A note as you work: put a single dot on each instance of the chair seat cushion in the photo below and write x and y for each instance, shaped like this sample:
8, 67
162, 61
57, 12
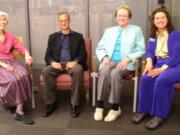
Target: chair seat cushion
129, 76
66, 78
64, 81
177, 86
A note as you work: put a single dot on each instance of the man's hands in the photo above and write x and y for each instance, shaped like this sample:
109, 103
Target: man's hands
59, 66
70, 64
56, 65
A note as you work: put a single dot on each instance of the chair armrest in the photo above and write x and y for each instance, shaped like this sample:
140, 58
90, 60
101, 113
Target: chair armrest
143, 63
137, 64
16, 54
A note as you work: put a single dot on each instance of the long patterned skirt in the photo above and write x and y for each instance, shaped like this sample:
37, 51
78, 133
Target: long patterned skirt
15, 87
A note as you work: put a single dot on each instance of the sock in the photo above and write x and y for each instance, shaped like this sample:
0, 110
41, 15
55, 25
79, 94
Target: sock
115, 107
100, 104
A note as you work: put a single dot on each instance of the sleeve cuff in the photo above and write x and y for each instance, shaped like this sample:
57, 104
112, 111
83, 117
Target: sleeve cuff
148, 59
164, 67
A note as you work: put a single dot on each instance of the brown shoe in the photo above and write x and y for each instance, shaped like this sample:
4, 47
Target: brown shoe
139, 117
154, 123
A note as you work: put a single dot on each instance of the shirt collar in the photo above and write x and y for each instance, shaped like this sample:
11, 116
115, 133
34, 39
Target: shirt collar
71, 32
119, 30
162, 34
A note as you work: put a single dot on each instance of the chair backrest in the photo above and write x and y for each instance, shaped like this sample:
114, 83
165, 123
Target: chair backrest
16, 54
88, 45
177, 86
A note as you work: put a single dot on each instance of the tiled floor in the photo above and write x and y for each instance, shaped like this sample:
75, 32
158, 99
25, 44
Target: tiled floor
61, 123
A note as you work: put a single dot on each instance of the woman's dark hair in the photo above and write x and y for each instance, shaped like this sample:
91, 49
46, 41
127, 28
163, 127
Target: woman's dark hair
153, 28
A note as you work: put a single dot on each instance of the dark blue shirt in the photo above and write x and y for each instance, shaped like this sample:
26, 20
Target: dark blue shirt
65, 54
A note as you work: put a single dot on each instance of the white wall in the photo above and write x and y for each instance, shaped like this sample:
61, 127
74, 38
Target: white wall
42, 16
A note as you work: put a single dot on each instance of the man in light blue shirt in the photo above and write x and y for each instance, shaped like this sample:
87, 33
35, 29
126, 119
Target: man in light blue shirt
117, 52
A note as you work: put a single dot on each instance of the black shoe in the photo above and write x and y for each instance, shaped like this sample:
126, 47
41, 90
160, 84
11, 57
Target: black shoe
23, 118
49, 110
154, 123
10, 109
139, 117
75, 111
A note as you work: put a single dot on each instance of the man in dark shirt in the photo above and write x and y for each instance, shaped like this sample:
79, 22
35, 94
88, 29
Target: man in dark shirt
65, 54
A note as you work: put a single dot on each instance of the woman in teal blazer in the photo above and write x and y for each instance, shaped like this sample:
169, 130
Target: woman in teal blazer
117, 52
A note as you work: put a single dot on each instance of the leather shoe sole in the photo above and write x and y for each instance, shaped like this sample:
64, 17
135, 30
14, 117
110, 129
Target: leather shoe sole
46, 114
23, 118
154, 123
139, 117
75, 111
10, 109
49, 110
